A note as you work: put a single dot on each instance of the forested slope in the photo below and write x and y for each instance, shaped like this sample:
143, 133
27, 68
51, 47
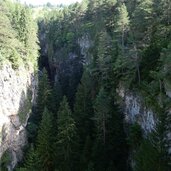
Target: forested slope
90, 51
18, 80
18, 40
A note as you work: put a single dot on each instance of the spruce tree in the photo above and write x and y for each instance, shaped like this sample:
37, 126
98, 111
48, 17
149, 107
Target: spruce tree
66, 143
43, 95
110, 145
105, 60
102, 115
10, 47
122, 23
44, 143
32, 161
83, 108
142, 22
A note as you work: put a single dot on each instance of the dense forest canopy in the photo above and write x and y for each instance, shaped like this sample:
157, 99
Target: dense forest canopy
88, 51
18, 35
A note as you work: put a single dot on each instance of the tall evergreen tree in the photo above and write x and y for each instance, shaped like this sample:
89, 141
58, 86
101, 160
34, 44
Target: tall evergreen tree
66, 144
110, 148
43, 95
122, 23
105, 60
10, 47
44, 146
32, 161
142, 22
83, 108
102, 114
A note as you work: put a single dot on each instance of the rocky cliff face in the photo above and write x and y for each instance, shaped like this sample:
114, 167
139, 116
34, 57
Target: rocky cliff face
17, 92
85, 43
136, 111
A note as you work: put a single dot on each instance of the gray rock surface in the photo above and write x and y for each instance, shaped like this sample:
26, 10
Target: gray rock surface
136, 111
14, 88
85, 44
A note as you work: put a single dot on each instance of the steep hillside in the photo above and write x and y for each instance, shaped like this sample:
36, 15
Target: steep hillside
123, 51
18, 82
104, 89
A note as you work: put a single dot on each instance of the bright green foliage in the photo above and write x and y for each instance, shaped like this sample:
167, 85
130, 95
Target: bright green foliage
26, 30
18, 35
66, 139
9, 45
122, 18
122, 24
44, 147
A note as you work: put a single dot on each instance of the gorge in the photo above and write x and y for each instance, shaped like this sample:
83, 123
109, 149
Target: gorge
85, 87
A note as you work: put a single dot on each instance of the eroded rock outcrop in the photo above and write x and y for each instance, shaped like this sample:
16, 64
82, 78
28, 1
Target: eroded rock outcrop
136, 111
17, 92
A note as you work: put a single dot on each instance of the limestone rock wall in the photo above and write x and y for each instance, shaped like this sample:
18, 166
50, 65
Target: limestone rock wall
17, 93
136, 111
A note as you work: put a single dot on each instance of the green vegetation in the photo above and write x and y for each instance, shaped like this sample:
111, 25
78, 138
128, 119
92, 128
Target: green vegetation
5, 160
66, 143
18, 35
89, 49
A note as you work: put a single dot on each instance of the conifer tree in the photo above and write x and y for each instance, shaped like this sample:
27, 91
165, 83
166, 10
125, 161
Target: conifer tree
9, 44
102, 114
110, 145
44, 146
43, 95
26, 29
55, 98
165, 59
32, 161
105, 60
162, 16
142, 22
66, 144
122, 23
83, 108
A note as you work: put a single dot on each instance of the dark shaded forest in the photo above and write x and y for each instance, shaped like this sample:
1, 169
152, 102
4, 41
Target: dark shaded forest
88, 51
